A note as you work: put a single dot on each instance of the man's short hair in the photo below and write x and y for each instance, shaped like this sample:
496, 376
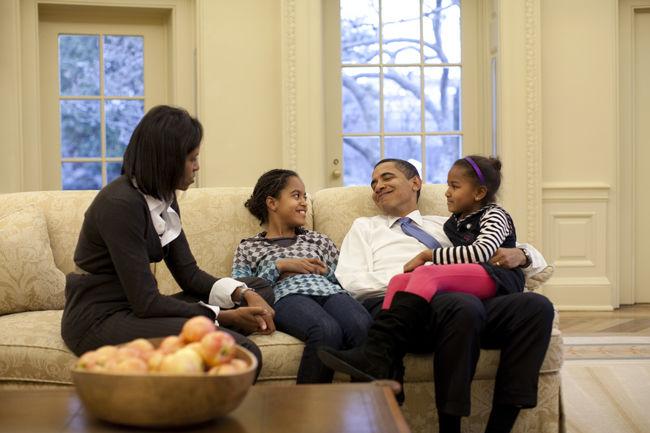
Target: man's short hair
405, 167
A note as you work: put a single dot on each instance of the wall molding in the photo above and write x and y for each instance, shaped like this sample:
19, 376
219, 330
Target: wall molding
519, 108
578, 242
575, 191
533, 119
303, 97
289, 85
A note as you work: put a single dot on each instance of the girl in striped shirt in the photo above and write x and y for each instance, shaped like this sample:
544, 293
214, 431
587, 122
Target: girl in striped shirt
477, 227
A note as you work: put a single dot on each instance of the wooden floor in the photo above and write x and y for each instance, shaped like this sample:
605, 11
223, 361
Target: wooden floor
627, 320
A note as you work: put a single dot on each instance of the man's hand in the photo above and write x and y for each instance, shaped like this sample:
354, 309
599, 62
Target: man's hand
247, 319
419, 260
255, 300
508, 258
301, 266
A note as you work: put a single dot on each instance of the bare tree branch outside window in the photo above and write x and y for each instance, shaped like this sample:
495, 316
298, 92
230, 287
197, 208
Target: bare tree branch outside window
401, 84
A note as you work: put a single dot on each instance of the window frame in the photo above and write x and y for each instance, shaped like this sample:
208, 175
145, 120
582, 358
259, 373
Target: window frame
476, 105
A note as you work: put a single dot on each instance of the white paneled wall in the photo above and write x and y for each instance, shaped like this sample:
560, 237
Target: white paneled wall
576, 238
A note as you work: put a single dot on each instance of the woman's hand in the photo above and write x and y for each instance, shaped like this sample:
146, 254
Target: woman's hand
255, 300
422, 258
301, 266
246, 319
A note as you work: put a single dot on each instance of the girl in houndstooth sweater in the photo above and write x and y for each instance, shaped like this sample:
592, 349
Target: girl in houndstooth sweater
309, 303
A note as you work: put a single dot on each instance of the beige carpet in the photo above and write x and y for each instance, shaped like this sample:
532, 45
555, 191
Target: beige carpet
606, 384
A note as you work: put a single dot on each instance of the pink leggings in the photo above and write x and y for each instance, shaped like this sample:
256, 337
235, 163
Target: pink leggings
426, 281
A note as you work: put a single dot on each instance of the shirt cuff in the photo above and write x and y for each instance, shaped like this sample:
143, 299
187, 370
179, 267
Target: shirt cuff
215, 309
221, 293
537, 261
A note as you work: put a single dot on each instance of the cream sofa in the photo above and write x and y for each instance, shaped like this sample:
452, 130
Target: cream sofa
38, 233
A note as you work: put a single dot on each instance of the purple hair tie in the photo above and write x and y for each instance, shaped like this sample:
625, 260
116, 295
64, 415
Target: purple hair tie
476, 169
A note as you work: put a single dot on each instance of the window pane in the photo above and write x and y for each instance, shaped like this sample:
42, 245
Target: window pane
81, 175
359, 31
79, 65
80, 128
442, 104
442, 151
407, 148
401, 31
441, 30
402, 100
360, 154
122, 116
360, 99
124, 65
113, 170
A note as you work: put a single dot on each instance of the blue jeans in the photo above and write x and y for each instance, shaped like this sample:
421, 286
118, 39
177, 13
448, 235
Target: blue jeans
337, 321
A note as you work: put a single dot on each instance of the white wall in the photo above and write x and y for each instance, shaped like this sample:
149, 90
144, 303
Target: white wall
239, 90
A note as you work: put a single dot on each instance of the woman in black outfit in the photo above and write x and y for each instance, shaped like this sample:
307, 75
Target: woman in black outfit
113, 296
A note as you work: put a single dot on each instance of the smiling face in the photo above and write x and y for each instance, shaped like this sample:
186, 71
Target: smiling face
392, 192
290, 208
191, 167
463, 194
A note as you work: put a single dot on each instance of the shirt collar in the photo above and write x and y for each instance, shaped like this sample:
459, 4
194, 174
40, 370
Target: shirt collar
416, 216
155, 205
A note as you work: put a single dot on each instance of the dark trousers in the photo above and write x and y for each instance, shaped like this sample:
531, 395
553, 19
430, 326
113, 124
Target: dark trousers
123, 326
518, 324
337, 321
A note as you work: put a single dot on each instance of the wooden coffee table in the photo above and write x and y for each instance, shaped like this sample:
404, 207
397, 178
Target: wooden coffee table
342, 408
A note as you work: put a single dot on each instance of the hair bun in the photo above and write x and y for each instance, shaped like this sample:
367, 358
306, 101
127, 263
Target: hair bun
495, 162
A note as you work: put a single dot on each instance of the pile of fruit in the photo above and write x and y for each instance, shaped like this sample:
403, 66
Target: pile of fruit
199, 348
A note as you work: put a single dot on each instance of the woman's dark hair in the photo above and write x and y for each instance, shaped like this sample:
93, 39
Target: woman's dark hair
405, 167
159, 145
486, 173
268, 185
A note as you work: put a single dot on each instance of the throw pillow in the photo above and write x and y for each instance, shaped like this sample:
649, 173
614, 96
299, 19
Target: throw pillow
536, 281
29, 279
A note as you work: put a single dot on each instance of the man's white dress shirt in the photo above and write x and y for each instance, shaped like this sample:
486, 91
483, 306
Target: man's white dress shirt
376, 249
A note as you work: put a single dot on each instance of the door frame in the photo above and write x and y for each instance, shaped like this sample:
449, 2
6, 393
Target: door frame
153, 29
181, 67
626, 159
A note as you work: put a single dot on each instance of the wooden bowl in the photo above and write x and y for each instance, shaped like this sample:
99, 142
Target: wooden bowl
163, 400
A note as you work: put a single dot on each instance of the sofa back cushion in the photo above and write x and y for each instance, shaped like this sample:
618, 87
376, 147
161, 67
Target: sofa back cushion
336, 208
215, 221
29, 279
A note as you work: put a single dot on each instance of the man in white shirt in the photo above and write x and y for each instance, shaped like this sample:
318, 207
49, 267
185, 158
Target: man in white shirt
376, 249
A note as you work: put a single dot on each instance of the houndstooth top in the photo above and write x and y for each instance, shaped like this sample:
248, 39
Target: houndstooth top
256, 257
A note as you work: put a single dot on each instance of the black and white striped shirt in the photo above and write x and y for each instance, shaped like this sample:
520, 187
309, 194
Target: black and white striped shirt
477, 236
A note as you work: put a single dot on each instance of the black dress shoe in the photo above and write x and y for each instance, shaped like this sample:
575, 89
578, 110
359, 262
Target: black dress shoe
355, 363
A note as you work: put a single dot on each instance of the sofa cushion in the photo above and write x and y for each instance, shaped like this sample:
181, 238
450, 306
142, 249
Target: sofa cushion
282, 355
29, 279
32, 350
215, 221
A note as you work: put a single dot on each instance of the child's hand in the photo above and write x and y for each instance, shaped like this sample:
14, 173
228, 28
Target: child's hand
301, 266
419, 260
